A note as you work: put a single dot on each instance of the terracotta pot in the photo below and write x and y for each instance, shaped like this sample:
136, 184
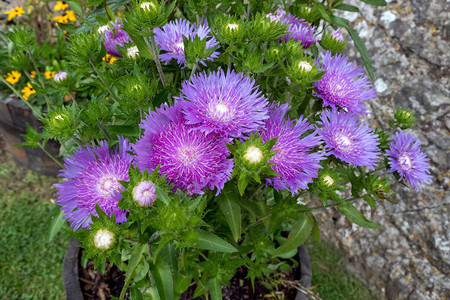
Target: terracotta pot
14, 117
71, 280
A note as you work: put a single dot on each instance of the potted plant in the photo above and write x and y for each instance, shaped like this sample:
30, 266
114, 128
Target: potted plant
211, 134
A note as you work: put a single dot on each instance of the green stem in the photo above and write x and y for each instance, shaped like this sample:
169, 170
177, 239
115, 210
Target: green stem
152, 47
35, 111
108, 12
51, 156
102, 79
105, 132
193, 71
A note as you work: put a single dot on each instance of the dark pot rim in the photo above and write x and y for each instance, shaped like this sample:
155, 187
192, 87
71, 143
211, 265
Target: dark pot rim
71, 263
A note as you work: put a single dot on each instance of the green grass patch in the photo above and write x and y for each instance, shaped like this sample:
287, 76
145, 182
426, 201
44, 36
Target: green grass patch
30, 266
330, 277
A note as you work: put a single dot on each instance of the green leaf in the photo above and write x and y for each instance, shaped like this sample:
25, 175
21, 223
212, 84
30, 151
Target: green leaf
370, 200
232, 211
143, 47
244, 179
340, 21
75, 6
162, 195
163, 279
142, 271
375, 2
315, 232
135, 258
299, 233
182, 283
215, 289
323, 12
57, 221
264, 68
347, 7
354, 216
363, 51
209, 241
125, 130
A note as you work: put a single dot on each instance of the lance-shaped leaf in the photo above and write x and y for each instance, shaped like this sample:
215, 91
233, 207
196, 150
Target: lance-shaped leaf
232, 211
215, 289
363, 51
209, 241
163, 278
299, 233
354, 216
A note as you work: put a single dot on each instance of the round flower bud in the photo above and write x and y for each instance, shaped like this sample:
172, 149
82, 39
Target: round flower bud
102, 29
304, 66
148, 5
103, 239
60, 76
328, 180
144, 193
232, 26
132, 52
253, 155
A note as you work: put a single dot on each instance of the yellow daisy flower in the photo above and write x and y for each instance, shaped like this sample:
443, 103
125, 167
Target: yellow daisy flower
28, 91
49, 74
13, 77
15, 12
71, 15
109, 59
33, 74
60, 5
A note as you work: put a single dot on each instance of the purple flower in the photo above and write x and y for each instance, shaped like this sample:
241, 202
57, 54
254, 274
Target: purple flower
337, 35
293, 162
170, 39
343, 84
298, 30
93, 176
115, 37
190, 159
349, 140
405, 158
228, 104
144, 193
60, 76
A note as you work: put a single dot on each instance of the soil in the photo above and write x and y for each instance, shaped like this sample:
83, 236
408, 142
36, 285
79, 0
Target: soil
101, 287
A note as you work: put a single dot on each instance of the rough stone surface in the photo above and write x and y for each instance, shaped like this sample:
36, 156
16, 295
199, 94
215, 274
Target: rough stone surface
409, 45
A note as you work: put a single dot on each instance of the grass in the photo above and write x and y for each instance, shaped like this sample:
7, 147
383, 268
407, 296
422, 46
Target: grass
330, 277
30, 266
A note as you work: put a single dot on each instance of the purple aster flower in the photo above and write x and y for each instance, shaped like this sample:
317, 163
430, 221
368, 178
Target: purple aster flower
337, 35
190, 159
115, 37
228, 104
170, 39
405, 158
60, 76
343, 84
93, 176
349, 140
293, 162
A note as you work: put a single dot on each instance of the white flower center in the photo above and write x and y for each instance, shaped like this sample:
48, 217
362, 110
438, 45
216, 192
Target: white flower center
132, 52
405, 162
253, 155
232, 26
328, 180
148, 5
102, 29
107, 185
306, 66
344, 142
103, 239
221, 108
188, 155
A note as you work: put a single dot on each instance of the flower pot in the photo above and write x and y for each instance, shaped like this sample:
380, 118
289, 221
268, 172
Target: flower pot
14, 117
71, 271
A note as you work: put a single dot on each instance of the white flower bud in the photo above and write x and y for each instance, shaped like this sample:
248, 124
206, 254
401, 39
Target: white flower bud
144, 193
103, 239
148, 5
328, 180
232, 26
304, 65
132, 52
253, 155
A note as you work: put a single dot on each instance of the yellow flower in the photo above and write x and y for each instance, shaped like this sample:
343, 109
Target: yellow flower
60, 5
49, 74
61, 19
13, 77
109, 59
33, 74
71, 15
17, 11
28, 91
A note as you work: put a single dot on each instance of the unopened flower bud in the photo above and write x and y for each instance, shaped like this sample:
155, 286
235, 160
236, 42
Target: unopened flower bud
132, 52
103, 239
232, 26
337, 35
102, 29
60, 76
328, 180
148, 5
304, 66
144, 193
253, 155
